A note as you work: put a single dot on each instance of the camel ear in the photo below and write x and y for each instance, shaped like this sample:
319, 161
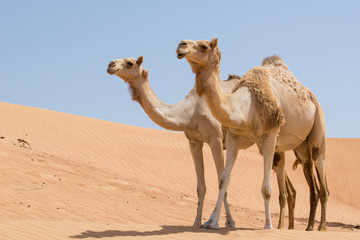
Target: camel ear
140, 60
214, 43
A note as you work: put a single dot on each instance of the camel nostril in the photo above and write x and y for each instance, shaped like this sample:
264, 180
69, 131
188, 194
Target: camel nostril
112, 64
183, 44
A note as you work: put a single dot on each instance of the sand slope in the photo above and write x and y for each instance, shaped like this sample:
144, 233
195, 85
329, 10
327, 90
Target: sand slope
71, 177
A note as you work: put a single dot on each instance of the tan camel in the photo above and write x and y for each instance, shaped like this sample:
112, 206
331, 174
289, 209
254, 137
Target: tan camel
194, 118
191, 115
255, 113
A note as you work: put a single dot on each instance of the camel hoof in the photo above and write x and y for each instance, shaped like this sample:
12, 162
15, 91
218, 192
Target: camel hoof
322, 227
210, 225
197, 223
230, 223
268, 227
310, 228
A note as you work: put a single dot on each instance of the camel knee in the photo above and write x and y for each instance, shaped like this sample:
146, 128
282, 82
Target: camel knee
266, 192
292, 196
324, 194
224, 182
314, 195
282, 199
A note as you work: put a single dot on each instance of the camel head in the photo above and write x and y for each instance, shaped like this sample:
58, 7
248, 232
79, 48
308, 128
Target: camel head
127, 68
200, 54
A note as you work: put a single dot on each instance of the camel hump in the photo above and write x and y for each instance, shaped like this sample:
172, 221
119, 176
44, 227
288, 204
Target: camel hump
274, 61
279, 71
233, 76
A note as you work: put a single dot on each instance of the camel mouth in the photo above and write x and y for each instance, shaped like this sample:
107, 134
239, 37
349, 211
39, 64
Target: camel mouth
181, 55
111, 71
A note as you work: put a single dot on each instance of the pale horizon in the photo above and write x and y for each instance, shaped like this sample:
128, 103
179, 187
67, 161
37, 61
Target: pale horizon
54, 55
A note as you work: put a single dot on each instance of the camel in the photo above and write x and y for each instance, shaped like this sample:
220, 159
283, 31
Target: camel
269, 108
191, 115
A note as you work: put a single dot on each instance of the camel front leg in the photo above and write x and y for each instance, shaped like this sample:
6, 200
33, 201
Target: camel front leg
196, 152
268, 149
216, 147
232, 148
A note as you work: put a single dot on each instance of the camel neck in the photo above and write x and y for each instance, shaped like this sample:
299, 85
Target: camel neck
220, 104
168, 116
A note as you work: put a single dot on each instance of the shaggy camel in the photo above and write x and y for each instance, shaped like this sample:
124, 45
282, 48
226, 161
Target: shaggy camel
194, 118
255, 113
191, 115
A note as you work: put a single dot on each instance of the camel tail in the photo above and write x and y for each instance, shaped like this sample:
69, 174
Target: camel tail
296, 163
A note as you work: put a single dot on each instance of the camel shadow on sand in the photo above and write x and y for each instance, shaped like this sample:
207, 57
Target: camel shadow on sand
165, 230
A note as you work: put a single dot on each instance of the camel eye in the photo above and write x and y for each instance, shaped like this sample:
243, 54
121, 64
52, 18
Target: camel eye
204, 47
130, 64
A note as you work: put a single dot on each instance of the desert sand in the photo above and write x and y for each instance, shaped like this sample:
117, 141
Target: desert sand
71, 177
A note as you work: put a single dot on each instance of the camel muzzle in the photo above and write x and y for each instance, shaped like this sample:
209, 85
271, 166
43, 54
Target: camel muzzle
112, 64
110, 69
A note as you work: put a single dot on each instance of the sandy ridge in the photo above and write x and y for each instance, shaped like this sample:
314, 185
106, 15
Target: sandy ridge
64, 175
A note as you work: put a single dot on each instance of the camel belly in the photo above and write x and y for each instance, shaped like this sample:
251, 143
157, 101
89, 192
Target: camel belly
287, 142
297, 127
299, 114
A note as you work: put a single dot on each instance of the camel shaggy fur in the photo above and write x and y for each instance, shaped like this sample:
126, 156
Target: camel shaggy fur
294, 122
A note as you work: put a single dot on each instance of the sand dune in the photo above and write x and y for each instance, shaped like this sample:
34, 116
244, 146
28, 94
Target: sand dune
71, 177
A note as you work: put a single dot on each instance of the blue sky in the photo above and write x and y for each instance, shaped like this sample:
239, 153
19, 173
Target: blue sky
54, 54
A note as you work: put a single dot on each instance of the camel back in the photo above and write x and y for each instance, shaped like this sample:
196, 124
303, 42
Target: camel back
257, 81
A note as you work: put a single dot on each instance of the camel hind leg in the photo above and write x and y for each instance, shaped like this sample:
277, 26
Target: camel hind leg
302, 153
287, 192
279, 168
316, 146
324, 191
291, 199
